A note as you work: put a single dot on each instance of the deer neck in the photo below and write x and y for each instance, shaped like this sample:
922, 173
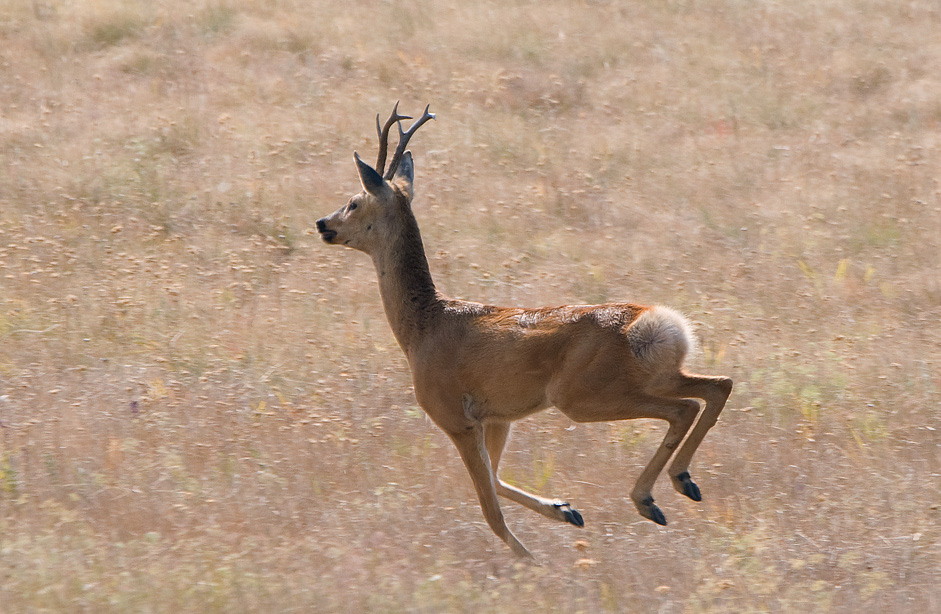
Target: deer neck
408, 293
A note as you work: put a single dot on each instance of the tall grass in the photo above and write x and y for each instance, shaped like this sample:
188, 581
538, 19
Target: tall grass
202, 407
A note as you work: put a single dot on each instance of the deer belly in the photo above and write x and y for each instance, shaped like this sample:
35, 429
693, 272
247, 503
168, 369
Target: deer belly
510, 395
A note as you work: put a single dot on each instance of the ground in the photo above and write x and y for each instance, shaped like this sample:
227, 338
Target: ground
202, 407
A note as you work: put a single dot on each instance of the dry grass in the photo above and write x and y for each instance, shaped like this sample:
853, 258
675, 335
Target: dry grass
202, 407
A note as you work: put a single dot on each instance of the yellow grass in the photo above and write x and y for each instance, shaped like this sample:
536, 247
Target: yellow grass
202, 407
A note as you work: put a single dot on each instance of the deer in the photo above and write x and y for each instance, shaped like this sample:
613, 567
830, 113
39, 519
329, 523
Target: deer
477, 368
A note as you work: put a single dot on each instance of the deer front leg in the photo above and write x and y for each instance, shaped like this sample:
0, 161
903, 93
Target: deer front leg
495, 435
472, 447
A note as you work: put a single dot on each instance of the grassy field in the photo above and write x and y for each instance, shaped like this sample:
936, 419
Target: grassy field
202, 407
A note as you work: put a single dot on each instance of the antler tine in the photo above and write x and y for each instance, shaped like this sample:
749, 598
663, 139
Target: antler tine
403, 141
383, 133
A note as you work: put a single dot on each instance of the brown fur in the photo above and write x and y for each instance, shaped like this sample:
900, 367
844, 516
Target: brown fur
477, 368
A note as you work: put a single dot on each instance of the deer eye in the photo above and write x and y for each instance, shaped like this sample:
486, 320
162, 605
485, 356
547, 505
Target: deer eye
352, 206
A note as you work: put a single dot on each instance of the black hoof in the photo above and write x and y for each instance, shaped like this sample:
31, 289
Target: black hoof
689, 487
652, 512
574, 517
571, 515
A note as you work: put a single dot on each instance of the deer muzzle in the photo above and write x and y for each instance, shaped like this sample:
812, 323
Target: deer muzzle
325, 233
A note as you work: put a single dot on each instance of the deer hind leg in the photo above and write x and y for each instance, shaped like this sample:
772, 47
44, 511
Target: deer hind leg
495, 435
715, 392
472, 447
679, 413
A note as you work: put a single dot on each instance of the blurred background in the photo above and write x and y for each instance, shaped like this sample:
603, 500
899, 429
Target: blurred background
202, 407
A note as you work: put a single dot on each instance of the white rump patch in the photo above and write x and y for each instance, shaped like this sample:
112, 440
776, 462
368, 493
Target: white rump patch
661, 337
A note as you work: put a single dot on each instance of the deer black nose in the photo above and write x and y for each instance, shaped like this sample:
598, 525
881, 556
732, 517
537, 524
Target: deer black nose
325, 233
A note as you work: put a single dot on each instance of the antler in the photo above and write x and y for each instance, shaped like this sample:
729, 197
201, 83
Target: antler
384, 135
403, 140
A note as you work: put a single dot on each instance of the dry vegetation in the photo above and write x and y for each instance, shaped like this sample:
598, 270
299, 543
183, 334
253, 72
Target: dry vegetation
202, 407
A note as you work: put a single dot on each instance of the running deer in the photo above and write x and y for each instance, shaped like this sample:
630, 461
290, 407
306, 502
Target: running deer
477, 368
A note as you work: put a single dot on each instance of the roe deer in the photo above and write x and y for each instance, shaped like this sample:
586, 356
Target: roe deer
477, 368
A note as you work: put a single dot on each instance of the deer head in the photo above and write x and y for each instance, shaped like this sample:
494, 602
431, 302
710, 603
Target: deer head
371, 216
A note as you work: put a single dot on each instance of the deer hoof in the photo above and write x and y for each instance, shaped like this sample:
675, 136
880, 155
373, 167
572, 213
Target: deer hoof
570, 515
650, 511
686, 486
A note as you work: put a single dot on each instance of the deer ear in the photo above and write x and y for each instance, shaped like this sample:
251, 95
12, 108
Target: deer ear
371, 180
405, 174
